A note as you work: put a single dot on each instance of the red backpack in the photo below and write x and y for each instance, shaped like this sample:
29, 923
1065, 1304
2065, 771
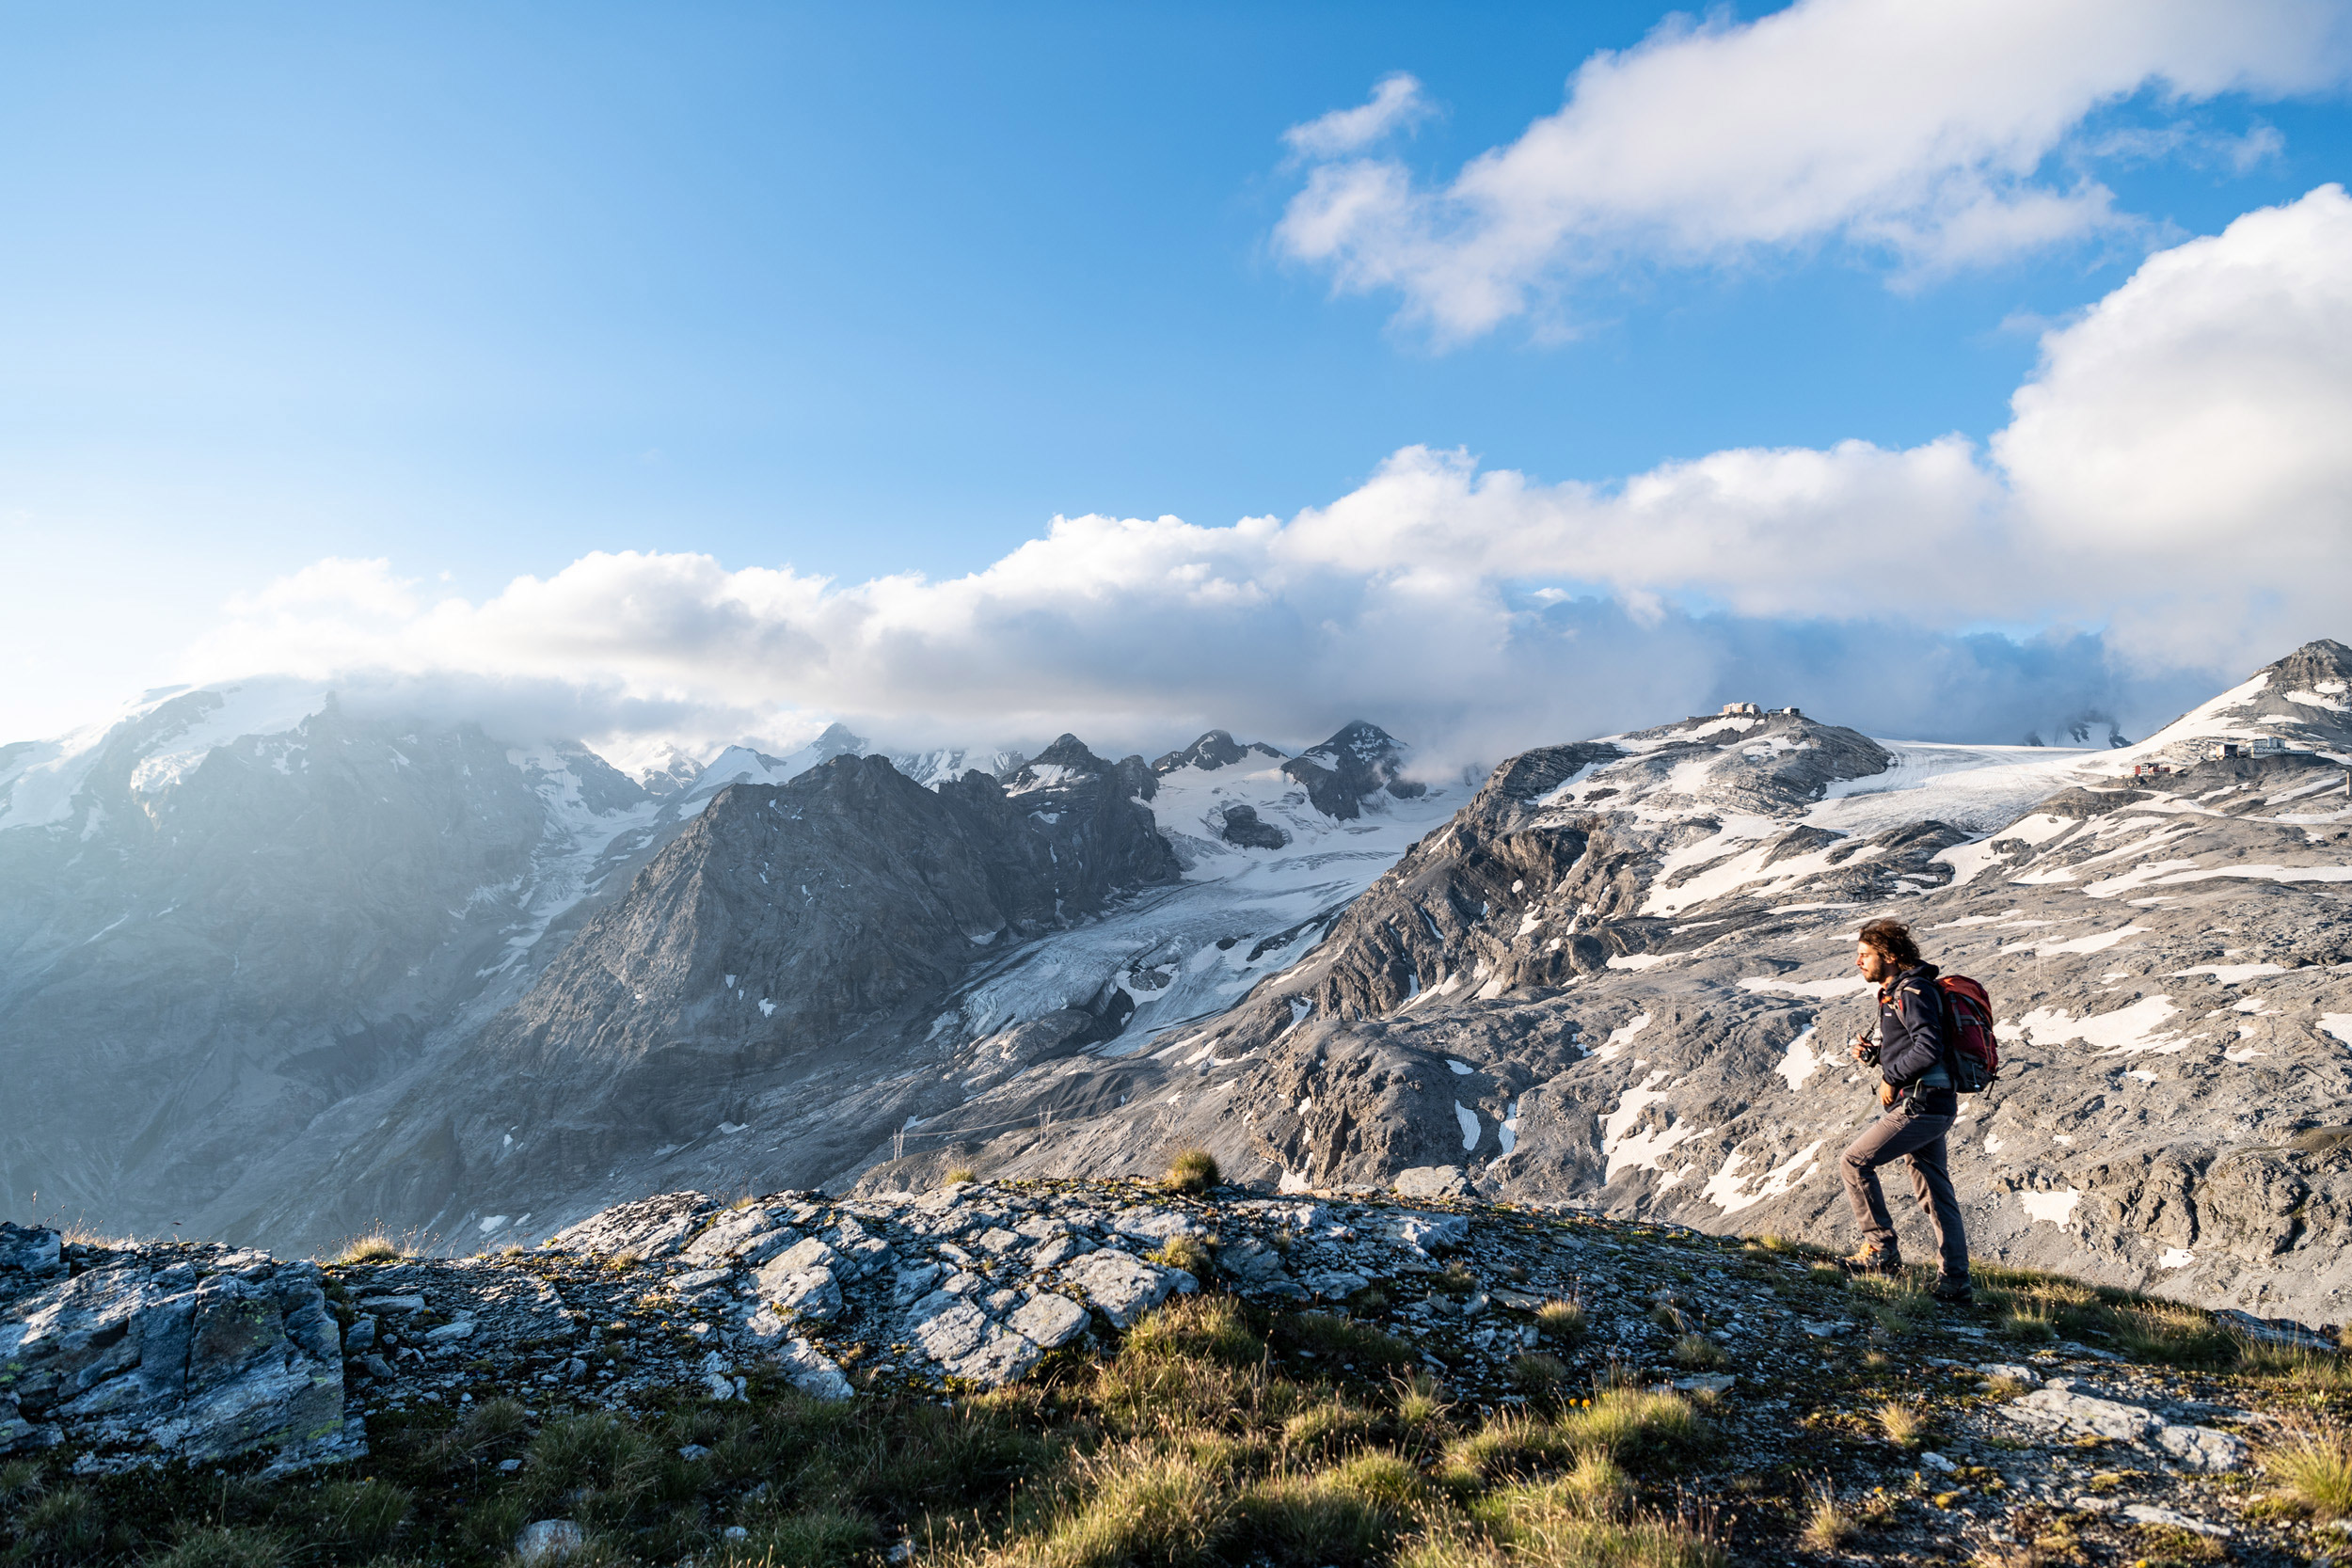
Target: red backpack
1975, 1056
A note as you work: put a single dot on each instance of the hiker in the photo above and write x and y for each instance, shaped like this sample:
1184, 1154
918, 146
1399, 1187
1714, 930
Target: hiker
1916, 1091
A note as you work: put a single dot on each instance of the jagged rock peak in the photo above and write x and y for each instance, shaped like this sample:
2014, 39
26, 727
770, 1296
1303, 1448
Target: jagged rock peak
2298, 704
1068, 762
1066, 758
2312, 668
1359, 760
837, 740
674, 769
1217, 749
2325, 659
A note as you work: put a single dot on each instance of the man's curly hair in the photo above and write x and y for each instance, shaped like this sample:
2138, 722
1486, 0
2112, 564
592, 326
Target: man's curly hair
1892, 938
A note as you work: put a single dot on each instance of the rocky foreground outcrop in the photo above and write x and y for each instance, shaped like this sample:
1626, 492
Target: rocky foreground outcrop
133, 1354
2041, 1416
184, 1352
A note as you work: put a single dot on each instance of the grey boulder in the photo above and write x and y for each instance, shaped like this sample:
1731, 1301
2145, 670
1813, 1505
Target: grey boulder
134, 1362
1122, 1287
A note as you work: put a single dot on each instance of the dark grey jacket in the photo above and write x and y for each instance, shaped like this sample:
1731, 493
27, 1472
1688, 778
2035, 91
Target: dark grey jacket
1911, 1040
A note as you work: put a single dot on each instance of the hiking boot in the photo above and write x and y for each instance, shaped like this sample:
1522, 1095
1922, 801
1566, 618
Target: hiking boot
1955, 1292
1873, 1260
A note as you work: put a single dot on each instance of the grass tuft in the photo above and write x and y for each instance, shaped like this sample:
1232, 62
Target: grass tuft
375, 1246
490, 1425
1193, 1170
1328, 1335
362, 1515
1188, 1253
19, 1481
1134, 1504
1539, 1375
2300, 1367
65, 1526
1599, 1486
2314, 1465
959, 1175
1698, 1351
1554, 1526
1630, 1421
2027, 1325
1828, 1522
218, 1547
2177, 1335
1212, 1328
1902, 1423
1421, 1402
1506, 1445
1563, 1319
1456, 1281
1330, 1427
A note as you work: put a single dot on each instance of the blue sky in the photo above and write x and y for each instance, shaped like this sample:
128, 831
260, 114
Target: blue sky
481, 290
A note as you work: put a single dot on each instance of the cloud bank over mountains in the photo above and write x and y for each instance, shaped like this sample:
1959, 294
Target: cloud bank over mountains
2167, 504
1934, 137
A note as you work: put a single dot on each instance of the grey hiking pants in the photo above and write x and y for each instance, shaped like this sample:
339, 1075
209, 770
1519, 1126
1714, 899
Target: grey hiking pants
1921, 1138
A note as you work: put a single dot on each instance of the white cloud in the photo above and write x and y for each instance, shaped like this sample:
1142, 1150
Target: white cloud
1396, 103
2203, 406
1934, 133
2175, 470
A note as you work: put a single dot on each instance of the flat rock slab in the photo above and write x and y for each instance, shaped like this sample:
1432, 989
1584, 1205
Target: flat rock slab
2150, 1513
1426, 1234
649, 1228
2202, 1449
1048, 1319
952, 1333
732, 1234
1432, 1181
1122, 1287
1148, 1224
812, 1372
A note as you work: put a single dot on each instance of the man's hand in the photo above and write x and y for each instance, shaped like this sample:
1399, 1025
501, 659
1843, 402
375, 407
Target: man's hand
1862, 1048
1886, 1095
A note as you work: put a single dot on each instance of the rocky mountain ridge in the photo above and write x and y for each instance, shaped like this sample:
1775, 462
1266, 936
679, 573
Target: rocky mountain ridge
237, 909
255, 943
1615, 975
1621, 977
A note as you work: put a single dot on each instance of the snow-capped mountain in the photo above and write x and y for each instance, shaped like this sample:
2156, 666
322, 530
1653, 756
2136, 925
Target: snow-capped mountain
317, 971
245, 927
227, 909
1622, 975
812, 967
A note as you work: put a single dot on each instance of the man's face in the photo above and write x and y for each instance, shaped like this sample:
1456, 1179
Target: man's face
1870, 962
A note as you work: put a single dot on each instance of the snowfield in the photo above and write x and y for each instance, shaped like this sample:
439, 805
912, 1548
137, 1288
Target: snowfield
1192, 950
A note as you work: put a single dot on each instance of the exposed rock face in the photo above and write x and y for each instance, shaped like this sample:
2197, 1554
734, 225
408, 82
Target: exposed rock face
1214, 751
1357, 760
195, 1353
1622, 977
239, 907
233, 1026
1243, 827
795, 942
972, 1286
